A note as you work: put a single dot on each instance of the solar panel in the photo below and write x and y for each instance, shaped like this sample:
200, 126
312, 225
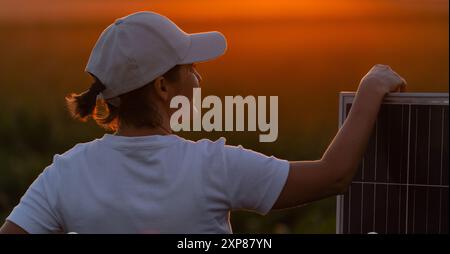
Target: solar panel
401, 186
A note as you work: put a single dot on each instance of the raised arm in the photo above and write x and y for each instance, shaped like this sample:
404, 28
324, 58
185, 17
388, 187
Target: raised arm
312, 180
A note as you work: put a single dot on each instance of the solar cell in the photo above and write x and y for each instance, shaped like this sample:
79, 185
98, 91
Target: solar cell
402, 182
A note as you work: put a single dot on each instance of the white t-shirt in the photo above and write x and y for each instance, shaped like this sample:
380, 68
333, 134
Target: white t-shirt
149, 184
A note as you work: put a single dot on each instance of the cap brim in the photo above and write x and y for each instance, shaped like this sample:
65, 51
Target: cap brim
205, 47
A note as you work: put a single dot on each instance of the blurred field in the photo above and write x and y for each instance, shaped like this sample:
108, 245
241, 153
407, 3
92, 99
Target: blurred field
306, 62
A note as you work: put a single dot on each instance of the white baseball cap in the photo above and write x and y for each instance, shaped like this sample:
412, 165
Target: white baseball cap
138, 48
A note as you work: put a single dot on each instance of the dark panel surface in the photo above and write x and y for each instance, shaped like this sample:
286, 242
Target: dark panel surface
402, 182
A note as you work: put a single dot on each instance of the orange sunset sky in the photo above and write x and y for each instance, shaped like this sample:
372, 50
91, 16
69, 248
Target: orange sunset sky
18, 11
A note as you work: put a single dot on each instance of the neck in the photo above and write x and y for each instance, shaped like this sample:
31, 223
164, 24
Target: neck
131, 131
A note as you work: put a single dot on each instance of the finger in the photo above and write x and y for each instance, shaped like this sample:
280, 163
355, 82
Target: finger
404, 82
378, 67
403, 87
400, 77
382, 66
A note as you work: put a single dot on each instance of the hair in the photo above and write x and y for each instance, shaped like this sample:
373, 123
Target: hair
135, 109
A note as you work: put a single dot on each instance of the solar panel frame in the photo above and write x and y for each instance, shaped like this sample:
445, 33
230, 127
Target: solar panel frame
345, 99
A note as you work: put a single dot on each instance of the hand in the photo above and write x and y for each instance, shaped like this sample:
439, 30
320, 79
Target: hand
383, 79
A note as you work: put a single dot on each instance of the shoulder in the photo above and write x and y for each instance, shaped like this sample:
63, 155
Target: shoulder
204, 145
70, 158
76, 151
209, 145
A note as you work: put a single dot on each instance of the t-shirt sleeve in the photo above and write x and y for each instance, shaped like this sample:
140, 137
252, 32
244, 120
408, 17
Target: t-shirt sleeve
35, 212
254, 180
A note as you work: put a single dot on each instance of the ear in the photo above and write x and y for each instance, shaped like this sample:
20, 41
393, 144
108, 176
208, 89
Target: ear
161, 88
